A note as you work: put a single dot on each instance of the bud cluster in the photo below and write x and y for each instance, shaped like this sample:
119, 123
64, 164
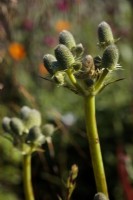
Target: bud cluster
78, 72
25, 130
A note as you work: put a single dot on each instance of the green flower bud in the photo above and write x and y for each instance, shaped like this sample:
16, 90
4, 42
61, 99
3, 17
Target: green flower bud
24, 112
110, 57
105, 34
48, 130
17, 126
77, 66
78, 50
64, 56
35, 136
32, 118
6, 124
74, 171
100, 196
66, 38
50, 63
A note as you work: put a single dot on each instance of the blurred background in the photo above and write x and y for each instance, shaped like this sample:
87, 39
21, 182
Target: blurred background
28, 30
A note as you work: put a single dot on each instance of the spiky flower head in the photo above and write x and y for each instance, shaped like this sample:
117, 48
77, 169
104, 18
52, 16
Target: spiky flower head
6, 124
35, 136
100, 196
64, 56
24, 112
17, 126
110, 57
50, 63
32, 118
105, 34
66, 38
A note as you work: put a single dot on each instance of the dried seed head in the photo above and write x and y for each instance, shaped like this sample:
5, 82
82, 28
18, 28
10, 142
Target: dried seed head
17, 126
88, 63
100, 196
50, 63
64, 56
66, 38
110, 57
105, 34
35, 136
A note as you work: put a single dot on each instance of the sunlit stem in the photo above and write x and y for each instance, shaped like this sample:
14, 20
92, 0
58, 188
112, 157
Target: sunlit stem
74, 81
99, 83
94, 145
27, 177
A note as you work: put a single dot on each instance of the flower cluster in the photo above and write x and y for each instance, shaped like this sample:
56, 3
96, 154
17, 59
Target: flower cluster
83, 74
25, 131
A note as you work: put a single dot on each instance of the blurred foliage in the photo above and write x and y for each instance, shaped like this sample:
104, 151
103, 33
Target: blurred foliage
28, 30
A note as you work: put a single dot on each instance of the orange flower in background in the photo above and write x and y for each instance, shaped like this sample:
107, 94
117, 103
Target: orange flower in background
62, 24
42, 69
17, 51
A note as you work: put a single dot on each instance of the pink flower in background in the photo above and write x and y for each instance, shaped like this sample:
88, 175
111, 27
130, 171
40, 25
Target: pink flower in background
28, 25
62, 5
50, 41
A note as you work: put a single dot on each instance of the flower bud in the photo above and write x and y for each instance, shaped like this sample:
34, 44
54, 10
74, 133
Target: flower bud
48, 130
78, 50
100, 196
6, 124
33, 118
59, 78
105, 34
110, 57
74, 171
64, 56
17, 126
35, 136
24, 112
50, 63
66, 38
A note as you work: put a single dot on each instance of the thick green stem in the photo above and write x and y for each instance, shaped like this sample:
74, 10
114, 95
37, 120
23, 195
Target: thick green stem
94, 145
27, 177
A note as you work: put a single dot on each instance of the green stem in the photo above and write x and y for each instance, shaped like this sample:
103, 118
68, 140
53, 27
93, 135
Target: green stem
94, 145
27, 177
74, 81
99, 83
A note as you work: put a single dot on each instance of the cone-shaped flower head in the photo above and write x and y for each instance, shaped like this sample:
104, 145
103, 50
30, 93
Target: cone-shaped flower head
35, 136
64, 56
6, 124
24, 112
50, 63
17, 126
30, 117
100, 196
110, 57
66, 38
105, 34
